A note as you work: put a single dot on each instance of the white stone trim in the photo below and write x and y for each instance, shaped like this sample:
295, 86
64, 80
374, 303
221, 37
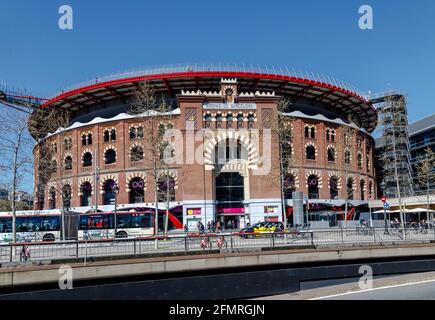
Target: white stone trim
318, 176
310, 143
136, 174
106, 177
172, 173
233, 135
335, 174
82, 181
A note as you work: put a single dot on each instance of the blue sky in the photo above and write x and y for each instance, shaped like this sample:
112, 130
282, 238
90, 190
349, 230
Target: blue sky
319, 36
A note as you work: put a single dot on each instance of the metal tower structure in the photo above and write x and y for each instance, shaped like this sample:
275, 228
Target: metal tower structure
19, 99
394, 153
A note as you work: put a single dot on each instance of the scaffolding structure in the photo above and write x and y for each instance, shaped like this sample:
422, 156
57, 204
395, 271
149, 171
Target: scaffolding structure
394, 153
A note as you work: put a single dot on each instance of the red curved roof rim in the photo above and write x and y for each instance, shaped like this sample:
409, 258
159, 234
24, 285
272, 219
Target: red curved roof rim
204, 74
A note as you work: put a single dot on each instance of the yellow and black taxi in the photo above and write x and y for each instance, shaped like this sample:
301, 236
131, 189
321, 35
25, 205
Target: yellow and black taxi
262, 229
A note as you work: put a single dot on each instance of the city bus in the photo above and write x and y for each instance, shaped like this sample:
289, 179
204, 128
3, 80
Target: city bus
99, 225
31, 225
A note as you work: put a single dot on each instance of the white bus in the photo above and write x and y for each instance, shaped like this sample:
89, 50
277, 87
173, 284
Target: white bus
100, 225
31, 225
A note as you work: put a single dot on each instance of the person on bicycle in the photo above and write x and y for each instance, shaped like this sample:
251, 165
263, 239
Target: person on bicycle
25, 253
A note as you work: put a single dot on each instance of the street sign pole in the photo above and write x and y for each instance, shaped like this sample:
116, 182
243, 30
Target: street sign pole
383, 199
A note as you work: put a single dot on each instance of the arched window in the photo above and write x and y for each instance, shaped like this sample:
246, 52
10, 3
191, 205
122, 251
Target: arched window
359, 160
307, 132
68, 163
332, 135
349, 186
110, 156
137, 186
106, 136
53, 166
230, 150
251, 121
113, 135
89, 137
310, 152
313, 187
132, 133
52, 198
66, 195
347, 157
327, 134
166, 188
333, 187
289, 186
313, 133
109, 195
207, 121
219, 121
67, 143
140, 132
136, 153
86, 197
331, 154
87, 159
229, 120
362, 185
240, 121
83, 139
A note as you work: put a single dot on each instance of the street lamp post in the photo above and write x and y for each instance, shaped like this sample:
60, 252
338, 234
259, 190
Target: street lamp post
115, 190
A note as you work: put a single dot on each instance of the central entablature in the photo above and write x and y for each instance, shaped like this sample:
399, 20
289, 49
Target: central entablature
229, 106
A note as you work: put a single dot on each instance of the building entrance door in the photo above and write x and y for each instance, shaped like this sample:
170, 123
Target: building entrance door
229, 198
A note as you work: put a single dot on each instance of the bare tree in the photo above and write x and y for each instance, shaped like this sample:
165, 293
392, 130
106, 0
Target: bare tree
156, 112
347, 147
282, 126
425, 173
53, 166
16, 160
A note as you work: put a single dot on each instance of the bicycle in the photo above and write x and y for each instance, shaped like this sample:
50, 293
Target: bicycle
364, 230
25, 253
299, 231
205, 243
220, 242
420, 228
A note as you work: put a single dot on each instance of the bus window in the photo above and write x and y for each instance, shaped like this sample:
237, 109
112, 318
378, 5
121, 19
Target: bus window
96, 222
142, 221
5, 225
123, 221
50, 224
23, 224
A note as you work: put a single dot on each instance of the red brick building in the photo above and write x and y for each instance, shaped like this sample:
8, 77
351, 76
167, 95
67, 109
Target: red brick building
227, 166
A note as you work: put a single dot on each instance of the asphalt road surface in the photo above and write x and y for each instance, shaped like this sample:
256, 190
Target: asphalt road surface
416, 286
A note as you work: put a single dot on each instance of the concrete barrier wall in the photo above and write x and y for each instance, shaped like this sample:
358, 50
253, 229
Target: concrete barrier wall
101, 270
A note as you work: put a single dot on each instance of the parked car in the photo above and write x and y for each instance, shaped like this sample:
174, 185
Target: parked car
261, 229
